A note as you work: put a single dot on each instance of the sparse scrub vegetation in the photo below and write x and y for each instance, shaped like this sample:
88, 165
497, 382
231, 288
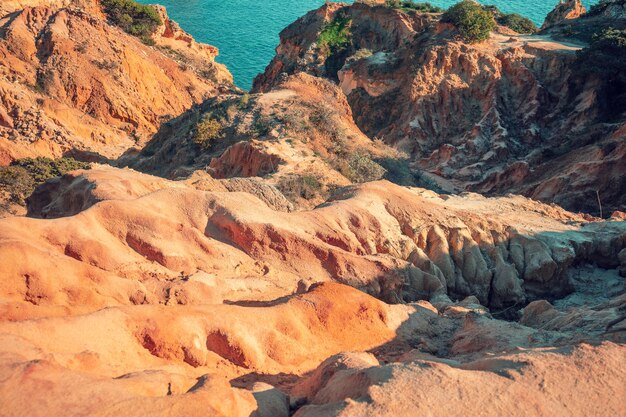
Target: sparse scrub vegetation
397, 170
605, 58
474, 22
599, 8
137, 19
336, 35
21, 177
517, 22
207, 131
359, 168
407, 5
605, 55
244, 101
321, 117
262, 125
293, 187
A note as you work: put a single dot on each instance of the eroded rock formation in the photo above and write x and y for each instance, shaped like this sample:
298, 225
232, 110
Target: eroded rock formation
565, 10
70, 81
394, 243
512, 114
258, 279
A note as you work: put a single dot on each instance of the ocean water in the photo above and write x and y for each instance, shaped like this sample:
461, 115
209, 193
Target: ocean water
246, 31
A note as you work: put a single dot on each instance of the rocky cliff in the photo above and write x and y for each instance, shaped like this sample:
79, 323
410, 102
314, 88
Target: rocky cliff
72, 82
512, 114
565, 10
308, 249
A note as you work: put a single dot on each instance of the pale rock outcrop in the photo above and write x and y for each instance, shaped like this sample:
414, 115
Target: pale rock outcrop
78, 190
395, 243
565, 10
512, 383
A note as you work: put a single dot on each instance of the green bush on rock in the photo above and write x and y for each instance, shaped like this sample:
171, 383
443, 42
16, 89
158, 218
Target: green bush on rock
407, 5
336, 35
207, 131
518, 23
474, 22
140, 20
360, 168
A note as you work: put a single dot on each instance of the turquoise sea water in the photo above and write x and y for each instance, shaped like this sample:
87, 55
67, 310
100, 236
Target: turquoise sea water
246, 31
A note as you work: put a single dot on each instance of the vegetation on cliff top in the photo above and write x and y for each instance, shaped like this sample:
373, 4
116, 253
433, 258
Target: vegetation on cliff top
474, 22
407, 5
23, 175
137, 19
207, 131
335, 36
516, 22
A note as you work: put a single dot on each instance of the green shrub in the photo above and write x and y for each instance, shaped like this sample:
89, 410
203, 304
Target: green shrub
474, 22
137, 19
23, 175
407, 5
244, 101
606, 54
42, 169
335, 36
207, 131
360, 168
518, 23
17, 183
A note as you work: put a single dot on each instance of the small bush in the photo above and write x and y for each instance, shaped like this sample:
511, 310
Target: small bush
360, 168
137, 19
244, 101
207, 131
606, 54
518, 23
335, 36
407, 5
322, 117
262, 125
17, 183
398, 171
473, 21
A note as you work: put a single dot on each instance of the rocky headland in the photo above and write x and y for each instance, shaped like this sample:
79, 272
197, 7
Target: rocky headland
399, 219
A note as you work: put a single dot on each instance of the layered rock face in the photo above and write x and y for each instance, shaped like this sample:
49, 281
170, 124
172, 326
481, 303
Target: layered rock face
512, 114
70, 81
